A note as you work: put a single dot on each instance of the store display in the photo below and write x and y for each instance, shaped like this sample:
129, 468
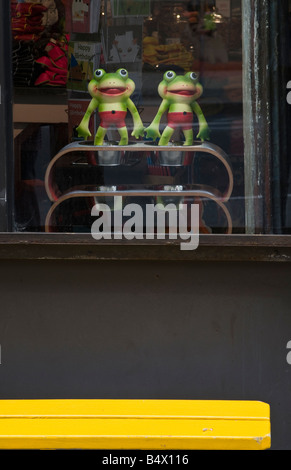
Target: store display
176, 54
39, 43
69, 40
82, 16
83, 59
115, 156
27, 20
76, 110
179, 94
54, 63
125, 46
111, 96
23, 63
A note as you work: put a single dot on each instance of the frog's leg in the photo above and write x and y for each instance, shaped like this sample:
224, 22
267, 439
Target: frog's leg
188, 134
123, 135
166, 135
100, 134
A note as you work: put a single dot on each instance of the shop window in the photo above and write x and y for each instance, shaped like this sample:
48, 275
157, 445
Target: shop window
58, 45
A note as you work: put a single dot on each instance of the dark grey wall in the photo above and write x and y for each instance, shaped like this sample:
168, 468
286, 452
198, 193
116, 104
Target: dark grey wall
86, 329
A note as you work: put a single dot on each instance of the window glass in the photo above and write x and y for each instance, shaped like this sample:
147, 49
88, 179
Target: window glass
73, 66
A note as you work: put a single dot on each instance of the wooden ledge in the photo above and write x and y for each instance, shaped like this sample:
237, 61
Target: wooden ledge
57, 246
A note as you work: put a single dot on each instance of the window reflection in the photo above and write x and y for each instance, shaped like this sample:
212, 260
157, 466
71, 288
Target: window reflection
57, 46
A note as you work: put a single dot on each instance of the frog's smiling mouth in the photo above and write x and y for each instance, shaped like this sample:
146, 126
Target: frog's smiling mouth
112, 91
183, 92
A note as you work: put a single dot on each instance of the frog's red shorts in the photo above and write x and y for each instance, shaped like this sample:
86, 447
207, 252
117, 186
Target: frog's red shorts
112, 118
180, 119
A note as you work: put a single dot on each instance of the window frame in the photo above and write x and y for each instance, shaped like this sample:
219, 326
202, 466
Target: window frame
266, 139
6, 119
264, 243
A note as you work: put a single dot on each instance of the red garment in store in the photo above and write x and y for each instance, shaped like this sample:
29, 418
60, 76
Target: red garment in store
22, 20
27, 28
51, 78
27, 9
54, 51
45, 61
26, 37
56, 64
26, 19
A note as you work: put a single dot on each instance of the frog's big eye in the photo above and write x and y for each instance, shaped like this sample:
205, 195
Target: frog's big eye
169, 75
123, 73
99, 73
193, 76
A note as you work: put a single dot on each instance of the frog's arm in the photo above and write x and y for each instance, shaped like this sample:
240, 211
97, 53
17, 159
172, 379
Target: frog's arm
83, 128
203, 126
138, 127
153, 130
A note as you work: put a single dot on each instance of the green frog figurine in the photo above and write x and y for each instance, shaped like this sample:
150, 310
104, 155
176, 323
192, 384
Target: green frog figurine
111, 95
179, 94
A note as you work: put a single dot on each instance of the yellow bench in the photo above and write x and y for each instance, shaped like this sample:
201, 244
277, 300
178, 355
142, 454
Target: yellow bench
134, 424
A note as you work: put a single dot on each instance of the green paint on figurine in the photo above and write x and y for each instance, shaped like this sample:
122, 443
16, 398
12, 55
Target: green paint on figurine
179, 93
111, 95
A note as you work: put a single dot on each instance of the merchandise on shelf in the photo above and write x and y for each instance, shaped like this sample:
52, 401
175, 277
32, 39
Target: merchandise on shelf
54, 63
176, 54
179, 95
111, 96
39, 44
